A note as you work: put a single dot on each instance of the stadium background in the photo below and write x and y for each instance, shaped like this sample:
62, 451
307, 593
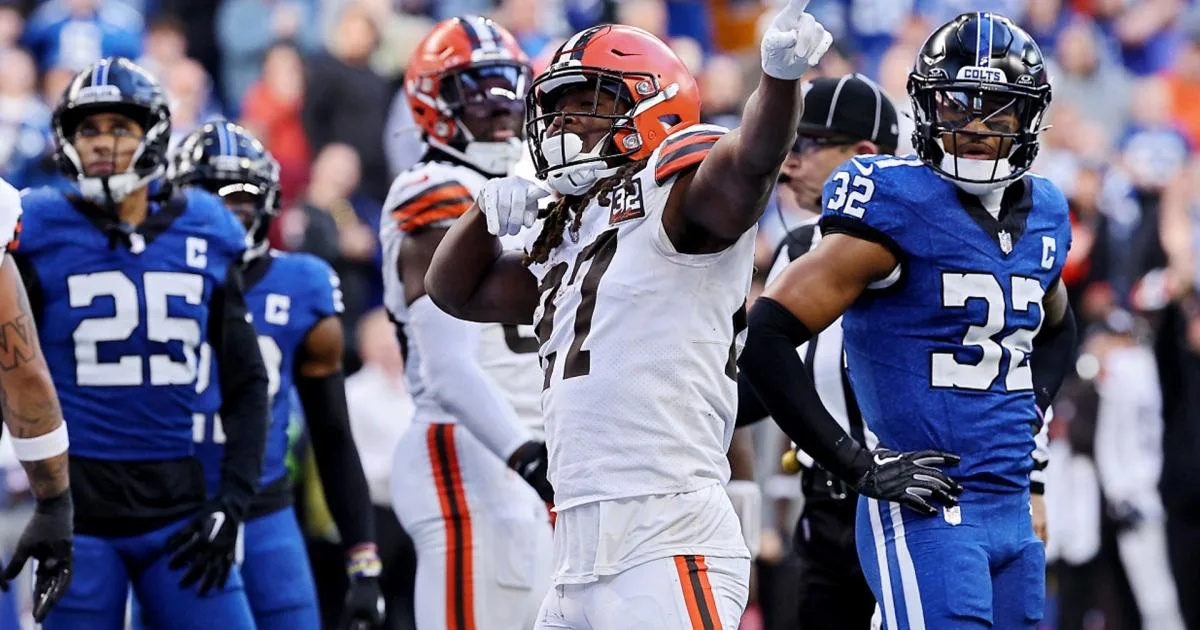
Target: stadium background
319, 81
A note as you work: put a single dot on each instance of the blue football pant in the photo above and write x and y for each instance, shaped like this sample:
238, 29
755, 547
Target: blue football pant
975, 566
106, 567
276, 573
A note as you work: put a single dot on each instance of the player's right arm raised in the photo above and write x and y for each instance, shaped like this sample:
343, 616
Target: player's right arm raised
39, 439
810, 294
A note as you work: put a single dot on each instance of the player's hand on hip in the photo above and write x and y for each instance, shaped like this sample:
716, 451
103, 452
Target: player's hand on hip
794, 42
509, 204
48, 539
207, 546
911, 479
531, 461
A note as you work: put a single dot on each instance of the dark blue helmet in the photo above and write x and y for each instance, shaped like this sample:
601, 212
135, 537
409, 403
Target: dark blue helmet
979, 67
113, 85
224, 158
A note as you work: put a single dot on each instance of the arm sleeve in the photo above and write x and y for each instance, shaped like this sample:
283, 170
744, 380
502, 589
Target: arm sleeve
1041, 455
324, 402
243, 379
1053, 355
447, 348
775, 371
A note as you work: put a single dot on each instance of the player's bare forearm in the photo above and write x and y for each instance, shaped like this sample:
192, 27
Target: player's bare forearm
820, 285
741, 455
472, 278
27, 395
730, 188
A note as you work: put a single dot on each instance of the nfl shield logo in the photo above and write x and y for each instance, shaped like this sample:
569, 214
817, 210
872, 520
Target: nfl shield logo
1005, 242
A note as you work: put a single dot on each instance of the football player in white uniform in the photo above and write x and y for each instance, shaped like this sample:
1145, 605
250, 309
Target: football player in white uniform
638, 276
482, 533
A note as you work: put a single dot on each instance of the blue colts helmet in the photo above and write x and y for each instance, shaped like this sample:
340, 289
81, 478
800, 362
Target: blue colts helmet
113, 85
224, 158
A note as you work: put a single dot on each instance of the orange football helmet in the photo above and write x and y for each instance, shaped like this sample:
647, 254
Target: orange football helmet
638, 69
466, 67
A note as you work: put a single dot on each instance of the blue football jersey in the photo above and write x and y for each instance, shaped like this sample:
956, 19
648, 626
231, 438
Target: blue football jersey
940, 358
286, 294
121, 325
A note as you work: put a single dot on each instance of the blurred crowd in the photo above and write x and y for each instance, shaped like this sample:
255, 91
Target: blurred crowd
320, 82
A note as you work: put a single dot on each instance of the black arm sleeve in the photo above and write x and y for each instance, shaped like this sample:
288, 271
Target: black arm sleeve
775, 371
1053, 356
750, 409
324, 402
244, 409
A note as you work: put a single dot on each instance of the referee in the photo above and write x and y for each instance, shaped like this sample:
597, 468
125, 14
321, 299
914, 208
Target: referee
843, 117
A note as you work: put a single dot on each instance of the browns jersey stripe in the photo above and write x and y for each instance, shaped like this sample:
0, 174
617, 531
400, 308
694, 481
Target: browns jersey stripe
683, 152
16, 239
447, 200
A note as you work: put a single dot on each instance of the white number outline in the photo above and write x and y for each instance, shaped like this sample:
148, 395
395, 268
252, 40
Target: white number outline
958, 289
84, 289
851, 193
273, 360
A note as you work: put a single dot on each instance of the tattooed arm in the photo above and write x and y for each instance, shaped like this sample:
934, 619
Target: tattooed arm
27, 394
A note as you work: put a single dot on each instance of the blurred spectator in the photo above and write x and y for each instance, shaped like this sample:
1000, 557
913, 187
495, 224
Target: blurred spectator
648, 15
75, 33
345, 101
1183, 80
272, 111
1045, 21
1142, 31
1153, 149
689, 52
54, 83
12, 25
330, 224
1098, 87
24, 119
524, 19
246, 29
401, 137
722, 91
691, 19
380, 411
165, 44
189, 95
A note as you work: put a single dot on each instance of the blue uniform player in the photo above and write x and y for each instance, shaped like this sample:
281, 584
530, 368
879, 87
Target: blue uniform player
957, 333
128, 281
295, 302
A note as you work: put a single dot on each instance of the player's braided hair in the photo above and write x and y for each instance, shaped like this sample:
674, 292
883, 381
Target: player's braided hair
555, 222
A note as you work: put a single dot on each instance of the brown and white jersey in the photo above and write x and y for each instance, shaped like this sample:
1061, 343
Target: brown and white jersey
432, 195
639, 343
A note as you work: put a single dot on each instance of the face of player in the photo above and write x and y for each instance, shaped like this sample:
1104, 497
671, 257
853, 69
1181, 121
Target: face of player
491, 102
986, 114
582, 113
243, 205
810, 164
106, 143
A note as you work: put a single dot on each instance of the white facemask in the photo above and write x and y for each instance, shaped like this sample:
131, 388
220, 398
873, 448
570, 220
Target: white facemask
572, 179
960, 172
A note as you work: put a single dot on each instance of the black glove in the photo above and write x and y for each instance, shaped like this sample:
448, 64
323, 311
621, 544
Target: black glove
47, 538
206, 546
363, 608
530, 460
910, 479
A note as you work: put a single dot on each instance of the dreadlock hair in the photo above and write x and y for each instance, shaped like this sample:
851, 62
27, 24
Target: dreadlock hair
555, 222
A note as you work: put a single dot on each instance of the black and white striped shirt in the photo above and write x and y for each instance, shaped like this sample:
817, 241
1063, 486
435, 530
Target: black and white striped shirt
824, 355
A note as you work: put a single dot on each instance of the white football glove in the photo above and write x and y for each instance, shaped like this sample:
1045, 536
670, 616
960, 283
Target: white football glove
793, 43
510, 204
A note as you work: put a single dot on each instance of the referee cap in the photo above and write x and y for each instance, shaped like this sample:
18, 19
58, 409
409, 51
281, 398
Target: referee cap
851, 106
